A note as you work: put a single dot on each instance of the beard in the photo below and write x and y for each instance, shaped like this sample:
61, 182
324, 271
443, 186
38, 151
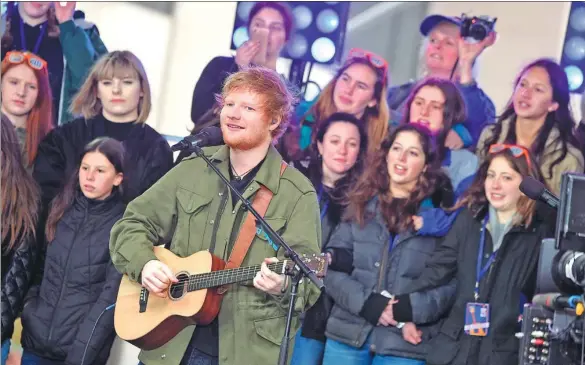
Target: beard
244, 140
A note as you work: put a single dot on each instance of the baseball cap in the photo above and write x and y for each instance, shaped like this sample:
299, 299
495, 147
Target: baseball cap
431, 21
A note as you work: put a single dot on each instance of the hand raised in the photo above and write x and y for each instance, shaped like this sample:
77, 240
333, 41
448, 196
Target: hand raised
64, 12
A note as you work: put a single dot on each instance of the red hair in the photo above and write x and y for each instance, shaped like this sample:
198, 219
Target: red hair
40, 119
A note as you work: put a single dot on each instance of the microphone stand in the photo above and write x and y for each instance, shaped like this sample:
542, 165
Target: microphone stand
301, 269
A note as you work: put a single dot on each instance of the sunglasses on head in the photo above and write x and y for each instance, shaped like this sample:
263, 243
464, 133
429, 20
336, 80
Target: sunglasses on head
517, 151
375, 60
34, 61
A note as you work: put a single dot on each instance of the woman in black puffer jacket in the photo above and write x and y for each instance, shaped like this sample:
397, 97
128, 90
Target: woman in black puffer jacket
20, 203
79, 282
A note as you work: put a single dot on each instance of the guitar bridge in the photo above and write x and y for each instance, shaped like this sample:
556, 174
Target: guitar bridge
143, 300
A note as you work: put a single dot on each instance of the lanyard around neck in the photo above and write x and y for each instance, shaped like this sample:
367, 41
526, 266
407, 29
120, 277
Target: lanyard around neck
39, 39
325, 205
481, 270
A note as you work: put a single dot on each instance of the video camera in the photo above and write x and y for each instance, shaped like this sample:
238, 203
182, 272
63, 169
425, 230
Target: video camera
553, 326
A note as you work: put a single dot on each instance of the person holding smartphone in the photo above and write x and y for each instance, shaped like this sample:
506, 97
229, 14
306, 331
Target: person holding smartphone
270, 26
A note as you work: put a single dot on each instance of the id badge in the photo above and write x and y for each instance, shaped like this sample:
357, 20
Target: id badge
477, 319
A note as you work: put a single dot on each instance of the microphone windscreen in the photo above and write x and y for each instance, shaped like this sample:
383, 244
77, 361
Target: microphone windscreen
213, 136
532, 188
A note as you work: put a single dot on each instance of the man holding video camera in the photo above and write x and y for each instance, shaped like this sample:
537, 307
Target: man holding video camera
451, 49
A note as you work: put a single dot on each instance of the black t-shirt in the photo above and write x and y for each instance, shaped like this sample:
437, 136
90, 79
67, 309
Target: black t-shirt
118, 131
206, 338
49, 49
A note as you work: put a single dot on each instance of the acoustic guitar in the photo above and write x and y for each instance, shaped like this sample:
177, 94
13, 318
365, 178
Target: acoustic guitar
149, 322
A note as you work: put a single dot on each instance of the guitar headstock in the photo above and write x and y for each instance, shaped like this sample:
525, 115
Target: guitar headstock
317, 263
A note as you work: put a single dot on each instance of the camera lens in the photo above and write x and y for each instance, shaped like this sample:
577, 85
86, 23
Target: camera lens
478, 32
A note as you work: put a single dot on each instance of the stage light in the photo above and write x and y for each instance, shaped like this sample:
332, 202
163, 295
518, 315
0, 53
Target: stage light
327, 21
240, 36
577, 19
575, 76
575, 48
323, 50
297, 46
303, 17
243, 11
573, 56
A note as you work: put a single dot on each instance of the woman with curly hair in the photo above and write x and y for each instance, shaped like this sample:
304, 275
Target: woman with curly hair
388, 254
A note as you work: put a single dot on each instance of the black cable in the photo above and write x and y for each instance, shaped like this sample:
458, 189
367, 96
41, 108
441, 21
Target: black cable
454, 68
93, 330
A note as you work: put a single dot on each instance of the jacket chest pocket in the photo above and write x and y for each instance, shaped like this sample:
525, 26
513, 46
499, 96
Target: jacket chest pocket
192, 220
264, 246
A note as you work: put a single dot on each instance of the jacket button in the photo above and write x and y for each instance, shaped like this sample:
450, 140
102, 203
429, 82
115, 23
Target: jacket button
211, 221
377, 264
163, 356
233, 211
220, 194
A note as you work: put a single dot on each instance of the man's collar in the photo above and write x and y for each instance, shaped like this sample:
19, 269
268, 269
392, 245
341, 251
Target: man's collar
269, 173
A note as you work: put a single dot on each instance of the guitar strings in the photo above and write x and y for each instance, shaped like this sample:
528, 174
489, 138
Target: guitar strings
224, 274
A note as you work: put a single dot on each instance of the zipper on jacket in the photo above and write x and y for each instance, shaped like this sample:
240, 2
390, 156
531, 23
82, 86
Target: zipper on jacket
220, 211
65, 274
494, 266
385, 255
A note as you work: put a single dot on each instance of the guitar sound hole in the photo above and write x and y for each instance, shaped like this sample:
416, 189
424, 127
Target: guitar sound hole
178, 290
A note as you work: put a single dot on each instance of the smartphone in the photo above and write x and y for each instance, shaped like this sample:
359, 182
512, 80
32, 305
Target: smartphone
260, 35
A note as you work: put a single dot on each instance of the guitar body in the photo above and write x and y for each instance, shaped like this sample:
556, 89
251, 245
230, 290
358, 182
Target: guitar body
164, 318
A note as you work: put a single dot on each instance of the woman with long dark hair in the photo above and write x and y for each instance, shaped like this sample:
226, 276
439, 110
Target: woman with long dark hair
336, 160
388, 254
492, 251
538, 117
20, 207
79, 281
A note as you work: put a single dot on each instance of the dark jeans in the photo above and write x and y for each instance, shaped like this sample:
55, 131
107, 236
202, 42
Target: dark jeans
32, 359
194, 357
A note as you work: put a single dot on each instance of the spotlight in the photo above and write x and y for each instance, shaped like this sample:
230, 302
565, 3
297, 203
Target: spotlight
573, 56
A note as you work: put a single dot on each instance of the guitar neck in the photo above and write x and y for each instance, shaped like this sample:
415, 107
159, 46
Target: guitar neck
230, 276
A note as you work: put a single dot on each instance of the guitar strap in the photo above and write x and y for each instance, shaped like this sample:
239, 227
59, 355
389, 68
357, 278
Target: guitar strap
248, 230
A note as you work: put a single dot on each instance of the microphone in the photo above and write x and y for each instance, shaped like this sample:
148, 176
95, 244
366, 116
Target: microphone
557, 301
209, 136
536, 190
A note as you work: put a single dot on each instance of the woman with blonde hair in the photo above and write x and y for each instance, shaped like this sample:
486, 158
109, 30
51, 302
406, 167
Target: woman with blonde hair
114, 102
358, 88
27, 101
